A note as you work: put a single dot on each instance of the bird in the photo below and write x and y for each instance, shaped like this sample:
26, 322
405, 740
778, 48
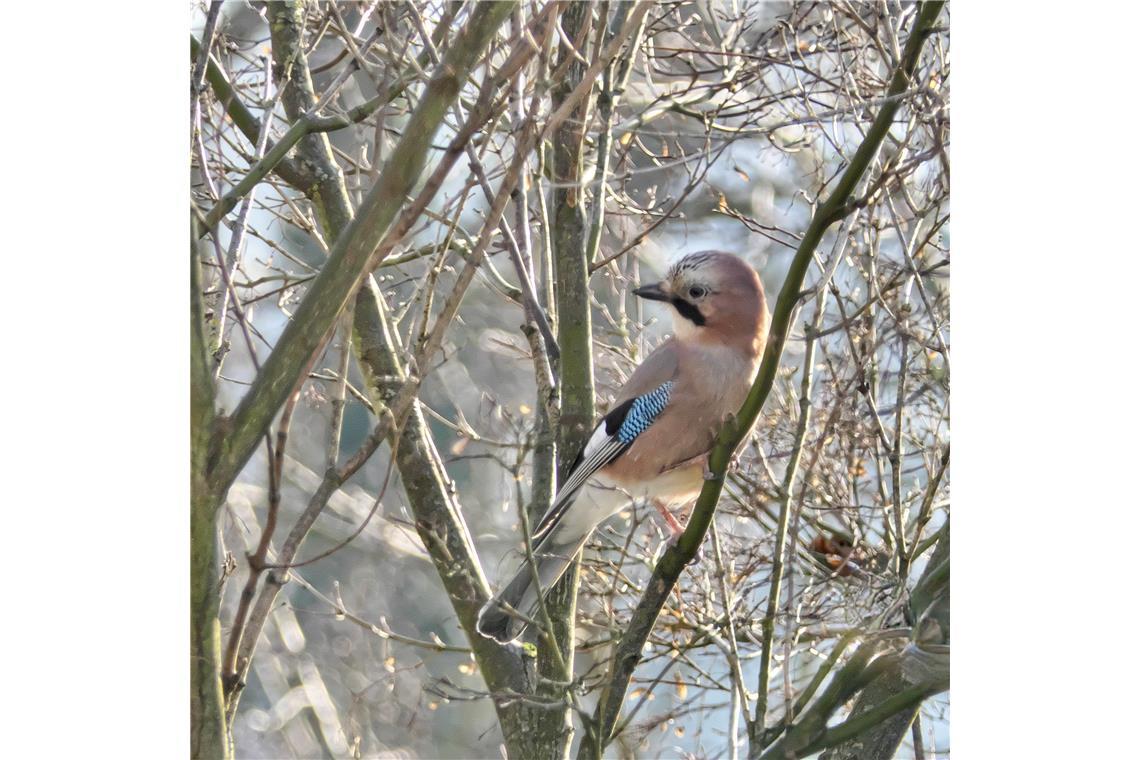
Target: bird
653, 444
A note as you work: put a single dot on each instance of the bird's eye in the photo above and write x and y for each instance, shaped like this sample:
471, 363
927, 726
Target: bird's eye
697, 292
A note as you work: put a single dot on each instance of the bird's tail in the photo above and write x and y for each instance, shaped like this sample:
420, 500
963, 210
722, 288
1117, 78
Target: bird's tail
507, 614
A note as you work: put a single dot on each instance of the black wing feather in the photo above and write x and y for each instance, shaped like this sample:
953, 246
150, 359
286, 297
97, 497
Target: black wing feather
583, 468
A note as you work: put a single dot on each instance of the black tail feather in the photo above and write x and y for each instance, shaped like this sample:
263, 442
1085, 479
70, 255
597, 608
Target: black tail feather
495, 624
506, 616
498, 618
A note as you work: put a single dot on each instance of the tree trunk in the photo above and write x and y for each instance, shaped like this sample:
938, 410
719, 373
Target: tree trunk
550, 732
208, 736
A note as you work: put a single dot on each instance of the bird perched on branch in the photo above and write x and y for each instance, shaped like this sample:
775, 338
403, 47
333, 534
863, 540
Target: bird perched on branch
654, 443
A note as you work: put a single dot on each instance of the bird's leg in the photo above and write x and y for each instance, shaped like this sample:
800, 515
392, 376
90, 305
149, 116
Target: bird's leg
675, 527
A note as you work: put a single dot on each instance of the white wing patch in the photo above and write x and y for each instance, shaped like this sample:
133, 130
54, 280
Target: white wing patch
614, 434
600, 450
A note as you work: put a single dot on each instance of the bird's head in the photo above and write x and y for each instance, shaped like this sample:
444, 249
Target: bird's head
715, 297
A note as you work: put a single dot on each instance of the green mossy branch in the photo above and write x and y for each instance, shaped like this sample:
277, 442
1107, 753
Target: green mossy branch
208, 737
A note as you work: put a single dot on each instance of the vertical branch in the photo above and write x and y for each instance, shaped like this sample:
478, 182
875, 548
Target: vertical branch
916, 738
231, 667
787, 535
201, 379
768, 624
739, 690
546, 295
553, 729
339, 396
208, 737
232, 261
199, 75
569, 253
902, 564
197, 82
927, 505
543, 460
575, 333
613, 85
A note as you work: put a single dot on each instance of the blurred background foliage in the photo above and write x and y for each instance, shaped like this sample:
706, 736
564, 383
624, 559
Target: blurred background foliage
736, 117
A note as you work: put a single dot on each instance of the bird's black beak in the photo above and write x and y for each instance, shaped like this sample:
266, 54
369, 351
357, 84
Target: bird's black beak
653, 292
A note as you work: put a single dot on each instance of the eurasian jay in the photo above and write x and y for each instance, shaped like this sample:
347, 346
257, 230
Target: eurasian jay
653, 444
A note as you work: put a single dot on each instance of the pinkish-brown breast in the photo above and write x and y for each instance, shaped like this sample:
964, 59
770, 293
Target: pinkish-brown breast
711, 383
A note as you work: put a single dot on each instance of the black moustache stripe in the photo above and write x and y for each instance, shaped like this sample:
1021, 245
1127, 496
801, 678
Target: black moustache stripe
689, 312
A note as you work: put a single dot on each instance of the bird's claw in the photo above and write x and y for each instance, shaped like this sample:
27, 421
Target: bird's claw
707, 471
698, 557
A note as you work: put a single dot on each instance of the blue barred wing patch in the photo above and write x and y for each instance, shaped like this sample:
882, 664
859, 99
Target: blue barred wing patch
643, 411
614, 434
